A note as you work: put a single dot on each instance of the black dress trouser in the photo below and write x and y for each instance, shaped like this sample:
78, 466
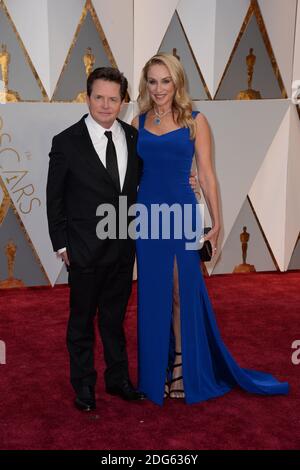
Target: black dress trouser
101, 292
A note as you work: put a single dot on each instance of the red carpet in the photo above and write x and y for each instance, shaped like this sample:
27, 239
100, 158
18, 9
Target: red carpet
259, 317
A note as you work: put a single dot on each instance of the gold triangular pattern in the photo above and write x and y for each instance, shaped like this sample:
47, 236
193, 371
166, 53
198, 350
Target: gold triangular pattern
264, 236
88, 7
255, 10
27, 57
5, 203
28, 239
293, 254
192, 54
224, 250
209, 97
9, 203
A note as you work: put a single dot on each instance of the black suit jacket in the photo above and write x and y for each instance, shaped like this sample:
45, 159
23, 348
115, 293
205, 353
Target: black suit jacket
77, 184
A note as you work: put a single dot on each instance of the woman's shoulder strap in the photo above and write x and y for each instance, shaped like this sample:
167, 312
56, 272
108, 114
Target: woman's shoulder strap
195, 114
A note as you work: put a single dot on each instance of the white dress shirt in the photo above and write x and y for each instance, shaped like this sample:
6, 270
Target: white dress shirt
99, 141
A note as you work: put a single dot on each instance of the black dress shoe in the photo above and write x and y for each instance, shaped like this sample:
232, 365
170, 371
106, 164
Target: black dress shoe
126, 391
85, 399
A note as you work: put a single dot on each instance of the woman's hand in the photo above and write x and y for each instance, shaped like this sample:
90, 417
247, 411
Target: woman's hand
212, 236
193, 180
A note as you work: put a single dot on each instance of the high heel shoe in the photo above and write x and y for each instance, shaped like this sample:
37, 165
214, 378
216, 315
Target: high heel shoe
167, 385
176, 379
167, 390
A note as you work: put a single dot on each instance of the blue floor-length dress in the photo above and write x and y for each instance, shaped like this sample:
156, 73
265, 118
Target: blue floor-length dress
208, 368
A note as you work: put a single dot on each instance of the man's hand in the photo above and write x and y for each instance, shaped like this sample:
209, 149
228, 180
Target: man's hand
64, 257
193, 181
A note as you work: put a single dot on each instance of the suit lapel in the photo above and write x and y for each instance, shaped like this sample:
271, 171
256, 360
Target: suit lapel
131, 154
85, 147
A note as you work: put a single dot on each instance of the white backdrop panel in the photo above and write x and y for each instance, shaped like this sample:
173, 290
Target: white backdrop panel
268, 192
212, 27
62, 28
31, 21
257, 253
151, 20
240, 144
279, 18
198, 20
296, 70
47, 29
116, 19
293, 194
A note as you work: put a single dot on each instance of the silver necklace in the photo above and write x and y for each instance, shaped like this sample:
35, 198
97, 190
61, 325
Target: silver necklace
158, 117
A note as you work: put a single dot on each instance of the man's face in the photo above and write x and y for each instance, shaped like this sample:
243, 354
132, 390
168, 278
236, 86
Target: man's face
105, 102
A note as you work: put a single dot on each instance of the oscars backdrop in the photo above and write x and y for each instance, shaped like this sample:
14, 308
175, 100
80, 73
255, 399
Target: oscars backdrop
242, 61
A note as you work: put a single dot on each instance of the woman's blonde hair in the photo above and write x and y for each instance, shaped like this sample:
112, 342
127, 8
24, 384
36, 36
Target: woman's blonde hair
182, 103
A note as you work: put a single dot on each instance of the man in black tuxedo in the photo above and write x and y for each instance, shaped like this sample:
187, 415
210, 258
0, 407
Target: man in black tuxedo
91, 163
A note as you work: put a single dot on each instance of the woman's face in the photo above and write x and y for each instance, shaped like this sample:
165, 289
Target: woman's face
160, 85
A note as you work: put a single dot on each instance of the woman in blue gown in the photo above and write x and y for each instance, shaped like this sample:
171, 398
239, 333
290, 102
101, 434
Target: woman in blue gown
180, 351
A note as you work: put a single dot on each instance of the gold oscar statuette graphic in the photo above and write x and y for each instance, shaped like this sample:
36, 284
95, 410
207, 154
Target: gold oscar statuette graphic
249, 94
244, 267
10, 251
175, 53
89, 61
6, 95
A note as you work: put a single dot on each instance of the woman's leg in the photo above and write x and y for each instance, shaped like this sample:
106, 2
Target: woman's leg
176, 386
